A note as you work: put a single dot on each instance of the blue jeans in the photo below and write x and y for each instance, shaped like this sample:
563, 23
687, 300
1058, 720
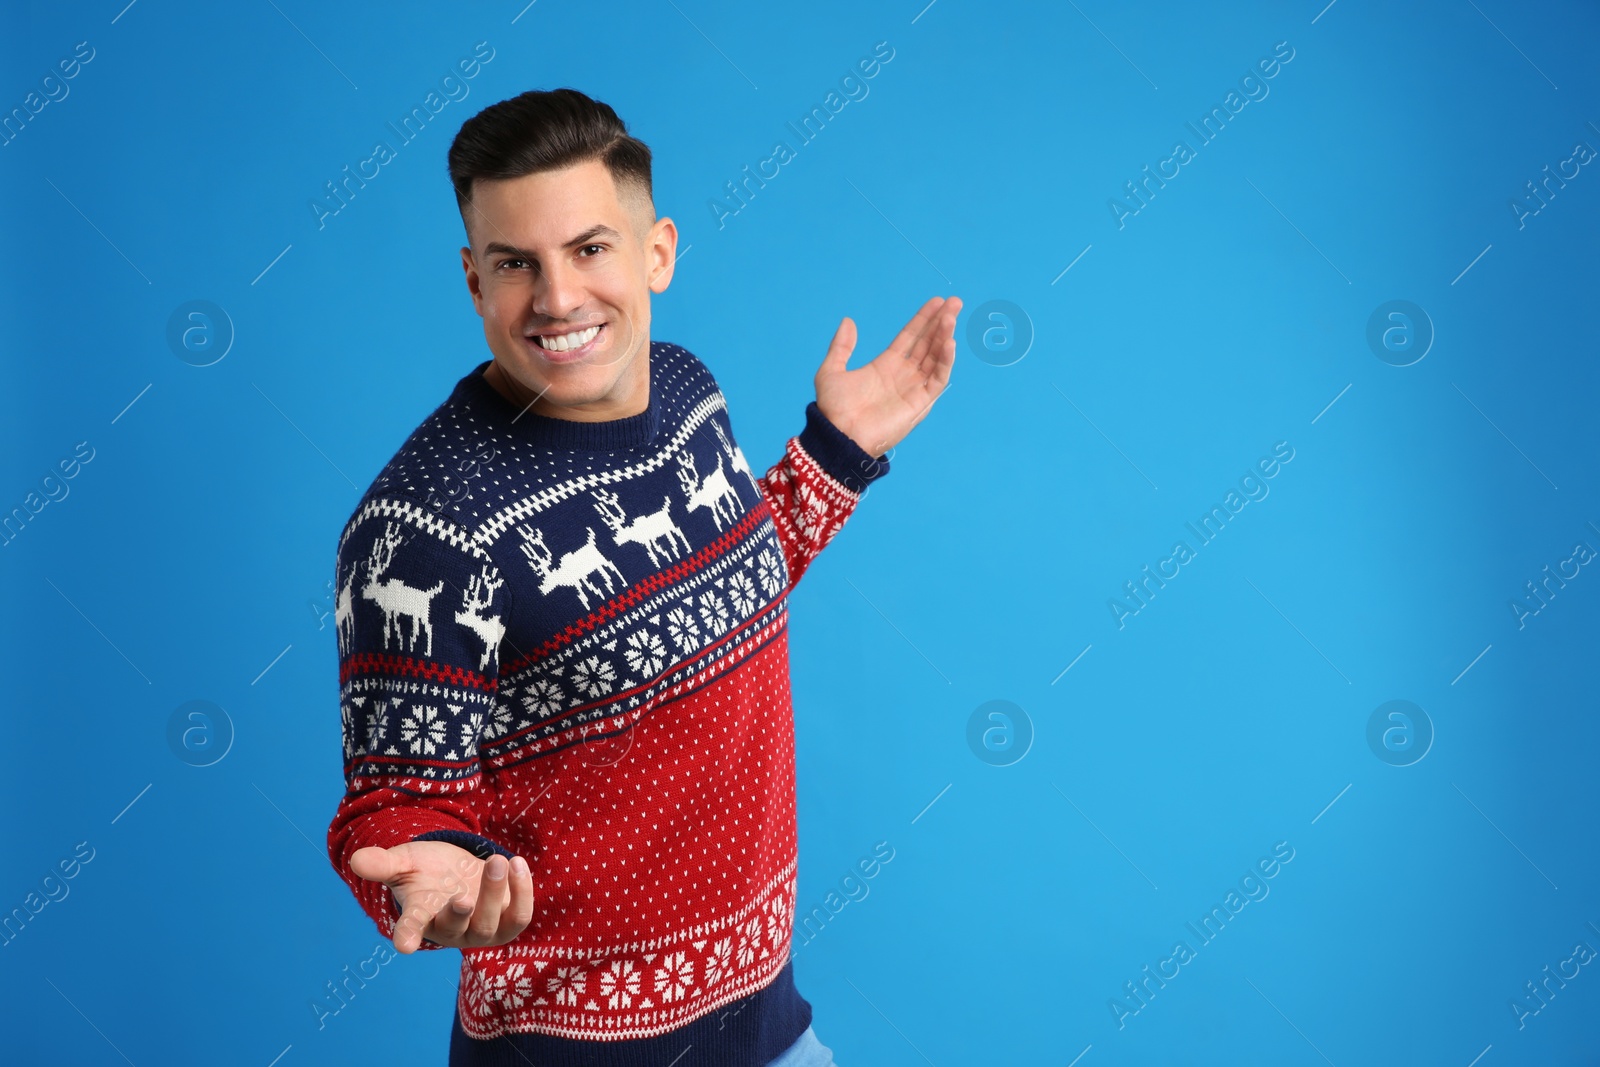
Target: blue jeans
808, 1051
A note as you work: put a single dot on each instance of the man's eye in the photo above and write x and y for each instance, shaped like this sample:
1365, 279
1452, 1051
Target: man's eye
504, 263
587, 247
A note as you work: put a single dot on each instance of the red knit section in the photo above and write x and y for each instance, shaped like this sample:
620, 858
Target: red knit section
664, 881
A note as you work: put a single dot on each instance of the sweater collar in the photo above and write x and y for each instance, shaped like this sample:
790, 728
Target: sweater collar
545, 431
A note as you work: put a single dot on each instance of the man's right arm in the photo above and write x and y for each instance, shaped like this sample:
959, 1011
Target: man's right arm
420, 610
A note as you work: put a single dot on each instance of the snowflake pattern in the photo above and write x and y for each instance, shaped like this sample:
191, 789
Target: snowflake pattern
767, 571
674, 976
646, 654
810, 516
512, 988
469, 730
742, 591
779, 919
474, 1002
719, 962
378, 733
544, 696
714, 612
424, 731
566, 984
682, 628
500, 719
347, 726
619, 984
749, 940
593, 677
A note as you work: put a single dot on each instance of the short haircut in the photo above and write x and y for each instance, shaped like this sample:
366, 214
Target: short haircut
544, 130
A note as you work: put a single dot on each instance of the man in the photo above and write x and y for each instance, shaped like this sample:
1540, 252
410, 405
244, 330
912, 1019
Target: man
563, 652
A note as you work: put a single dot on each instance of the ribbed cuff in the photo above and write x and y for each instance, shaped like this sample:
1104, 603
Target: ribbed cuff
838, 454
476, 844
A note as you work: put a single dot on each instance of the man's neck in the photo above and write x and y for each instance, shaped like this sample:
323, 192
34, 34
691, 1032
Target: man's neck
520, 396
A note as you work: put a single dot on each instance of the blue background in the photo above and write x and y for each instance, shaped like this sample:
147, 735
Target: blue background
191, 558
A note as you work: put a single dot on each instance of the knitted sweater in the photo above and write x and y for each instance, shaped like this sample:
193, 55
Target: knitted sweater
568, 641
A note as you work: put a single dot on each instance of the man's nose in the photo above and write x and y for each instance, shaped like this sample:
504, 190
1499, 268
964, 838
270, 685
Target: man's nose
560, 291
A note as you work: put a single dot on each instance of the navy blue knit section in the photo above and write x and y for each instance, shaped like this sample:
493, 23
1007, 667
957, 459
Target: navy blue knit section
544, 450
837, 454
479, 846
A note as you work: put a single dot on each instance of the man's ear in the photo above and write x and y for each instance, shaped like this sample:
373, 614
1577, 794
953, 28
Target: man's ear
474, 282
661, 253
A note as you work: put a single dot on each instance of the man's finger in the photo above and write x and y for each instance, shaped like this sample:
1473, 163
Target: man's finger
519, 913
492, 894
910, 332
452, 916
950, 311
416, 915
943, 341
928, 338
936, 347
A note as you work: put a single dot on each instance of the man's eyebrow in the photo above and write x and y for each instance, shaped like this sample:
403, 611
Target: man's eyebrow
598, 230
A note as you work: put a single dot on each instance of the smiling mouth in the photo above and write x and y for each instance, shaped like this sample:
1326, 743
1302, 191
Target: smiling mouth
566, 342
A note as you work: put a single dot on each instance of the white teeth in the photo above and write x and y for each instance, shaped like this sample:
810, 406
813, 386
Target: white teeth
567, 341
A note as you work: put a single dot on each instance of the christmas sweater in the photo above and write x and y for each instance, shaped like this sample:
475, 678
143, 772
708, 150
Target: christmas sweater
568, 641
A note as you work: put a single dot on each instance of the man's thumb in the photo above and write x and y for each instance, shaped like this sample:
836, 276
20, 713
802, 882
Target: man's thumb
374, 863
844, 342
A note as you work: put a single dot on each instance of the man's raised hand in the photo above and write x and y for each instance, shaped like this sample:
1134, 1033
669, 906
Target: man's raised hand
877, 404
448, 895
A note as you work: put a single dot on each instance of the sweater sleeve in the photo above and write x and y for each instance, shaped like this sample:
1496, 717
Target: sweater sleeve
814, 488
420, 615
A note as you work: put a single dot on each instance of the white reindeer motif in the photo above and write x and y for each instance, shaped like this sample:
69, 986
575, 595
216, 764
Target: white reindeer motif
739, 462
395, 597
714, 493
344, 610
575, 566
477, 598
644, 530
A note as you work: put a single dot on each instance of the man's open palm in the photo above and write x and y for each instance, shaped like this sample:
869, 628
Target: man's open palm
448, 895
877, 404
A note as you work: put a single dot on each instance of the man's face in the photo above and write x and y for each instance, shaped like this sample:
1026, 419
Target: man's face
552, 256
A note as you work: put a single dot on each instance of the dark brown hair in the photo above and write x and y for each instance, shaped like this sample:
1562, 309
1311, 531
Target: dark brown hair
544, 130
